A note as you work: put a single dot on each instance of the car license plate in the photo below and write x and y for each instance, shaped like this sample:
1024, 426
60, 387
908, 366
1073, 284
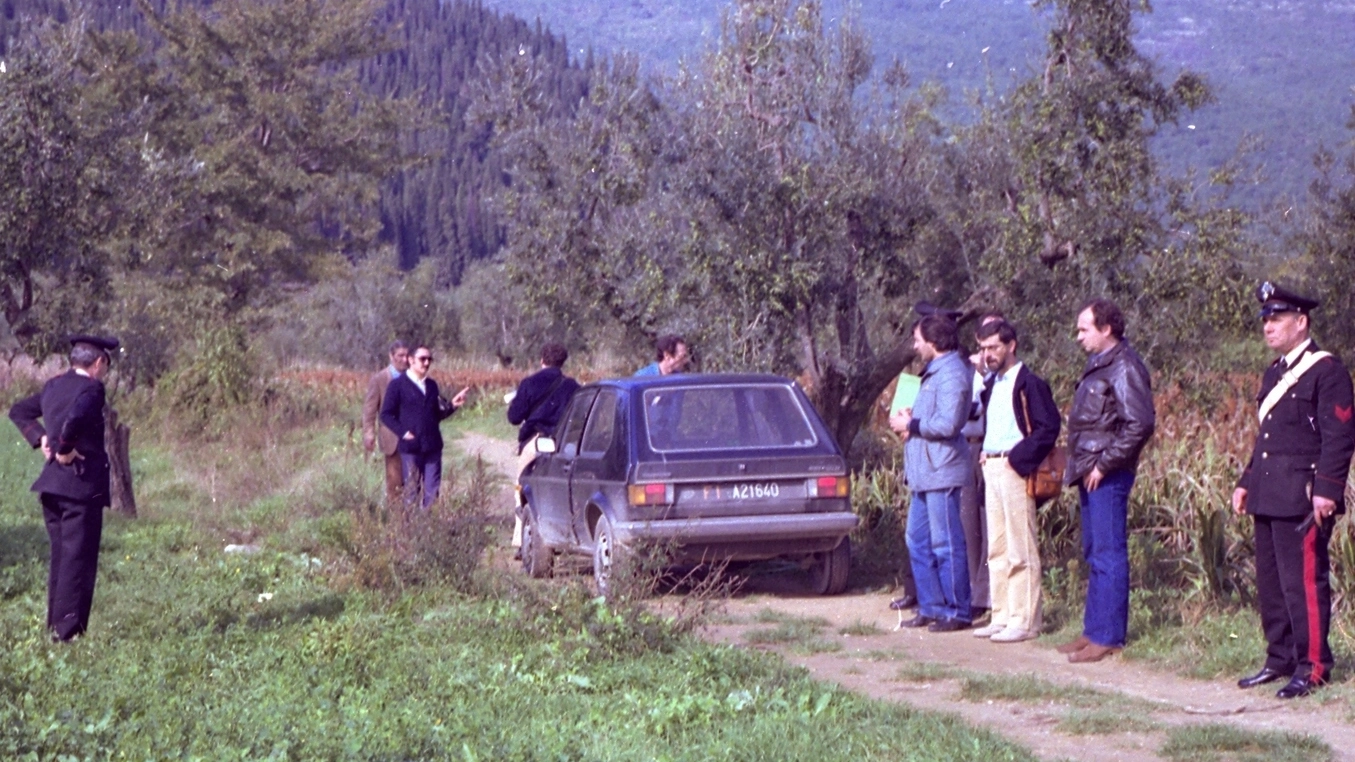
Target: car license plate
742, 491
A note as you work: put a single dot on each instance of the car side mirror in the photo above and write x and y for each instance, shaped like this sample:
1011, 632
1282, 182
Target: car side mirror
545, 445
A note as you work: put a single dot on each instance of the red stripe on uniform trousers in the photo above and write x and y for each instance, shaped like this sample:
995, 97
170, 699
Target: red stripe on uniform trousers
1310, 598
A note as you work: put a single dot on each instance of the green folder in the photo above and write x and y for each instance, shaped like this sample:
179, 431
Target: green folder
905, 393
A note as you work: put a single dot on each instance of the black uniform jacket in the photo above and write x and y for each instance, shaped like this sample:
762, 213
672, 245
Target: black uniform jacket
1041, 431
532, 410
407, 409
72, 407
1304, 445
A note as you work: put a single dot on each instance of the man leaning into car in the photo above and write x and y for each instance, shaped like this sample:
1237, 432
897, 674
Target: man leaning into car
936, 467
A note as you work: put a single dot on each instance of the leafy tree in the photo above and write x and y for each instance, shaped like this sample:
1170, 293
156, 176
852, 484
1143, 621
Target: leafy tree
1326, 242
269, 150
764, 204
65, 163
1079, 207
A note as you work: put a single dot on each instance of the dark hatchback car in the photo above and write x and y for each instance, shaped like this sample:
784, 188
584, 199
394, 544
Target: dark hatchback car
716, 467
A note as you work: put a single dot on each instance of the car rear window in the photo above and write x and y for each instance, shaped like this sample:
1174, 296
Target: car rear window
751, 416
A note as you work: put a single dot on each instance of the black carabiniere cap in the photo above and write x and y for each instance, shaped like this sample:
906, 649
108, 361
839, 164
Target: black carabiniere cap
106, 343
927, 308
1275, 299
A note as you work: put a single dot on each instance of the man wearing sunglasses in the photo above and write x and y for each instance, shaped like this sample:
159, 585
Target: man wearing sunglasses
413, 409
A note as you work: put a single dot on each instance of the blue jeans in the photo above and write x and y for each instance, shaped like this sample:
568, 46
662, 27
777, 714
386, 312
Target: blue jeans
423, 473
1105, 548
940, 562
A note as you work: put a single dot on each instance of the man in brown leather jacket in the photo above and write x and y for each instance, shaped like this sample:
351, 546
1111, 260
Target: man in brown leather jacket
373, 432
1111, 420
1294, 487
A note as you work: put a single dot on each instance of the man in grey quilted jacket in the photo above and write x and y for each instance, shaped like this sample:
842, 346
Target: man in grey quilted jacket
936, 467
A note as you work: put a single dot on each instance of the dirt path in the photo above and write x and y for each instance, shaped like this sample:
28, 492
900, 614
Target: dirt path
937, 664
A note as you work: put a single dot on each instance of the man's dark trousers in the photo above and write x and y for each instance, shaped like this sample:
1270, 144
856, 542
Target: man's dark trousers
74, 527
1294, 594
1105, 549
423, 476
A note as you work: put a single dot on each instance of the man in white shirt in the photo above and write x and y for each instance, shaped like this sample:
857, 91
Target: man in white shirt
1021, 425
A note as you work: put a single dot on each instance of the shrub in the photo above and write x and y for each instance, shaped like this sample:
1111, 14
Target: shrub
211, 381
392, 548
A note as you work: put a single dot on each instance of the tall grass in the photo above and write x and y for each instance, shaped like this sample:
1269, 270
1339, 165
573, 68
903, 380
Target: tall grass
1191, 559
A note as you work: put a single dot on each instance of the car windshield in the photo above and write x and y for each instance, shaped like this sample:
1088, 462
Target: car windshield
750, 416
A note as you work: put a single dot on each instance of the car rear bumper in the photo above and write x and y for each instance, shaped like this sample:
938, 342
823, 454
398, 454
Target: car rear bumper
731, 530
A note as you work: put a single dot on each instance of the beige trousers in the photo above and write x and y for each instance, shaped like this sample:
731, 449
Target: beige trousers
1013, 547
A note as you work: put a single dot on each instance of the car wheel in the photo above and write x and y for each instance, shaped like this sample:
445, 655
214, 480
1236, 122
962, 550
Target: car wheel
828, 575
537, 559
604, 556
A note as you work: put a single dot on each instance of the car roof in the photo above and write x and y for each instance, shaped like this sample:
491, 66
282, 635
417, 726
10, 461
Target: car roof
640, 383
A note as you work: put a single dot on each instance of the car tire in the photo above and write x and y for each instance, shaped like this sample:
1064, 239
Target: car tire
828, 575
537, 559
605, 554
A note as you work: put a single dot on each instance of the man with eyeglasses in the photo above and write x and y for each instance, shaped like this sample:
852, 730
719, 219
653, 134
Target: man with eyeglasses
66, 420
413, 409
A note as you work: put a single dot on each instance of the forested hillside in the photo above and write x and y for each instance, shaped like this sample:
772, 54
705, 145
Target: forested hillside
437, 208
1281, 71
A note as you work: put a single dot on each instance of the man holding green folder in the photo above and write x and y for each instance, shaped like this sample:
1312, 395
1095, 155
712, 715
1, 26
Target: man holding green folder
936, 466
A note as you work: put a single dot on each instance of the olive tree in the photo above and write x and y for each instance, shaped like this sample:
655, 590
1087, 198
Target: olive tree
762, 202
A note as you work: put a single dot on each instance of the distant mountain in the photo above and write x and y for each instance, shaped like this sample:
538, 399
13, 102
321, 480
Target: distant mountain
1282, 70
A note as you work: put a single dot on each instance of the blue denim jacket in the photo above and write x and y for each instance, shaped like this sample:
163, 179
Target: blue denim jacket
936, 455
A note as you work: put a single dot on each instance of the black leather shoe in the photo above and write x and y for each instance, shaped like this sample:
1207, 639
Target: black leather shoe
1298, 687
918, 621
948, 625
904, 602
1266, 675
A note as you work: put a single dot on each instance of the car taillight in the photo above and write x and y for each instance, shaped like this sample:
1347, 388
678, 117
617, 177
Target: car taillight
829, 486
650, 494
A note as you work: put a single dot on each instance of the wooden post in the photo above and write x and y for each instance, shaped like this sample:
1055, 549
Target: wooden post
117, 441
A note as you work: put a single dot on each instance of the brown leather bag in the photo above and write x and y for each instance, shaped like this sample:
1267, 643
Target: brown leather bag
1047, 480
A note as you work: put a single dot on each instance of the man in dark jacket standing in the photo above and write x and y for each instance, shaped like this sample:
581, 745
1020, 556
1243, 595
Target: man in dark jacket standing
413, 409
66, 420
1294, 487
1111, 420
1021, 425
536, 407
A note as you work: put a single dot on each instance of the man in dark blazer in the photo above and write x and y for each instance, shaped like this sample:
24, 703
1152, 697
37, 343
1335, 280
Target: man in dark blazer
413, 409
66, 420
1294, 487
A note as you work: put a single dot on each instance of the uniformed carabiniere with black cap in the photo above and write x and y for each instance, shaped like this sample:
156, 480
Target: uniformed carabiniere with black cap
1294, 487
66, 420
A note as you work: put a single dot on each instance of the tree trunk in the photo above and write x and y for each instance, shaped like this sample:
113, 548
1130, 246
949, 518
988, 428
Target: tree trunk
117, 441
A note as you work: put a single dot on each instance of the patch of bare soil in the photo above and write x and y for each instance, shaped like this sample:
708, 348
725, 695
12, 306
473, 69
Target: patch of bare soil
869, 664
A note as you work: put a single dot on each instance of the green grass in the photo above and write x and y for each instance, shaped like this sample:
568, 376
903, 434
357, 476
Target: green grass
197, 654
801, 634
926, 672
1029, 688
1220, 743
861, 628
1097, 722
1218, 644
485, 413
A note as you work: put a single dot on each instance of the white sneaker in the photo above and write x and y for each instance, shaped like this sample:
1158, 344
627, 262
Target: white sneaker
1014, 635
989, 631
